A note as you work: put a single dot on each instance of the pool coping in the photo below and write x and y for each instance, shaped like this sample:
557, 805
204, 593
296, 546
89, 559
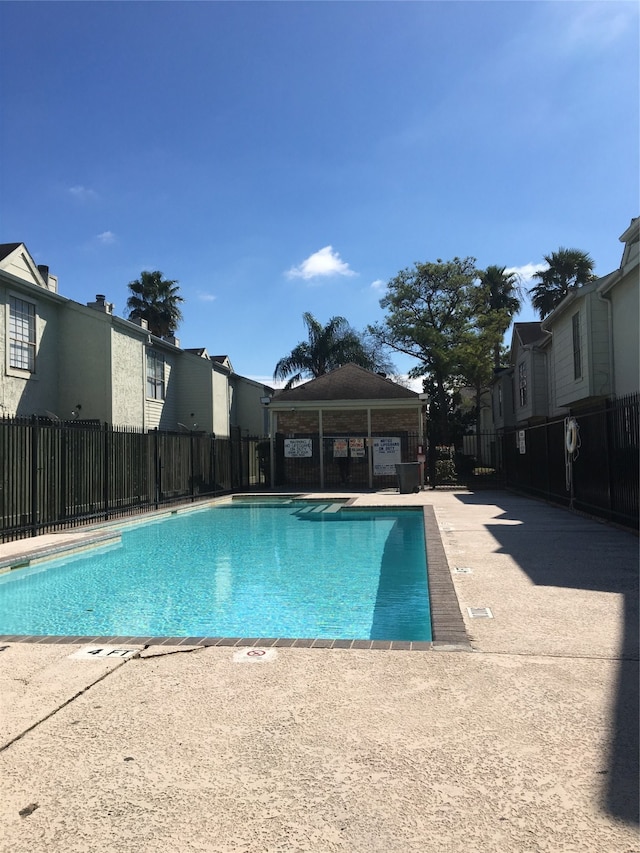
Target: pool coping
447, 624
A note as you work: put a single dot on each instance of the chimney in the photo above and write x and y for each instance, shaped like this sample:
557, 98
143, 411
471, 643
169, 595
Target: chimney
101, 304
50, 281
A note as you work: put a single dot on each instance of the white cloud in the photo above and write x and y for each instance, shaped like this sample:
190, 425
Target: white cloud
82, 193
206, 297
526, 271
106, 238
323, 263
598, 25
378, 285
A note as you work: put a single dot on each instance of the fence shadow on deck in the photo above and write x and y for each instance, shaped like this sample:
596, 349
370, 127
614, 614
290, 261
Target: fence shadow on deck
569, 563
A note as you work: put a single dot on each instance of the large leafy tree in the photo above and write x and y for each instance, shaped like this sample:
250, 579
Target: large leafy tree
479, 353
498, 298
328, 346
429, 315
566, 268
157, 300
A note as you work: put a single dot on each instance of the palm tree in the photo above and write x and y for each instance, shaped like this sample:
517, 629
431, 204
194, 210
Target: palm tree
499, 297
567, 268
328, 347
156, 300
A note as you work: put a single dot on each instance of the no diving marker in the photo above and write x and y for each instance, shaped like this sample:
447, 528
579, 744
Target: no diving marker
104, 652
254, 655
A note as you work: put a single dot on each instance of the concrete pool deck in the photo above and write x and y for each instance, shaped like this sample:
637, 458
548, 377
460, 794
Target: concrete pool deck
526, 742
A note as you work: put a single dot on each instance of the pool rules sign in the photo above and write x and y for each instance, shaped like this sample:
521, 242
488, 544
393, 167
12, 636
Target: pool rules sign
298, 448
386, 455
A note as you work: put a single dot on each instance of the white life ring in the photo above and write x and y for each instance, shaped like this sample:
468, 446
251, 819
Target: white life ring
571, 435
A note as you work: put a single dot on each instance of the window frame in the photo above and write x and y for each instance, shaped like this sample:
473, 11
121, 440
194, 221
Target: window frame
155, 382
522, 384
17, 343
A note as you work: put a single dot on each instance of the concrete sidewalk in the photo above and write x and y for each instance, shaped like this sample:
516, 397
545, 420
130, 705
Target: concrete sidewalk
526, 743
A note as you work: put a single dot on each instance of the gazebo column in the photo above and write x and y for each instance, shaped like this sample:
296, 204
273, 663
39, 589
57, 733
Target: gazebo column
273, 425
321, 449
370, 448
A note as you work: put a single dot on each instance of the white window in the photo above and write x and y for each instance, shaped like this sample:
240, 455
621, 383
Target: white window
22, 334
155, 376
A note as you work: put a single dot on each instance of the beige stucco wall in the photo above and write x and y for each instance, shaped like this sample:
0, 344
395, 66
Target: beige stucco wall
23, 393
626, 344
195, 382
248, 413
85, 362
128, 377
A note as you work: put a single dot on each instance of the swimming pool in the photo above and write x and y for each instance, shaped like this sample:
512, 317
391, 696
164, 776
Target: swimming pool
238, 569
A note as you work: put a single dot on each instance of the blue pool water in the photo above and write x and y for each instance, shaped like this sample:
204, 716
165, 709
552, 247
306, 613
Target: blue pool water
301, 569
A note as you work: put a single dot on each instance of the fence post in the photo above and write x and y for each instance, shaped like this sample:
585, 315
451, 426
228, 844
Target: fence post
212, 456
610, 413
34, 475
546, 455
105, 471
191, 467
156, 469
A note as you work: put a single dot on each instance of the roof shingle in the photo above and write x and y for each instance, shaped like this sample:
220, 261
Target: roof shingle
349, 382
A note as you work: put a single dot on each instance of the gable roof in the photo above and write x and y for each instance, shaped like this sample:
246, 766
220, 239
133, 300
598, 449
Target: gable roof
16, 260
7, 248
529, 333
349, 382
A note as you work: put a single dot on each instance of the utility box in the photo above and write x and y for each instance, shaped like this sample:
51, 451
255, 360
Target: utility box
408, 474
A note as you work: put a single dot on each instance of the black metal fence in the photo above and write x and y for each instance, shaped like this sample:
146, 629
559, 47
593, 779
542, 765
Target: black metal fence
57, 475
63, 474
335, 461
345, 460
601, 477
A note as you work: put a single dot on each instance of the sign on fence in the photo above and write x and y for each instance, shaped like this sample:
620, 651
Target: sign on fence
295, 448
522, 442
340, 448
386, 455
356, 446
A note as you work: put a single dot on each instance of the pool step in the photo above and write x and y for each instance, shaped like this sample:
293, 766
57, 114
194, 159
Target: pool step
333, 507
320, 509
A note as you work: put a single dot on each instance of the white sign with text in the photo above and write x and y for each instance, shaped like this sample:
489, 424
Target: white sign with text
386, 455
294, 448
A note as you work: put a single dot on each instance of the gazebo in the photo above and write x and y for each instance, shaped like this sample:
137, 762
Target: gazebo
348, 427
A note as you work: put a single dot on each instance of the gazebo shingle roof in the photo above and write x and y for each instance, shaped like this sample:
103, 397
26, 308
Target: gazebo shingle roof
349, 382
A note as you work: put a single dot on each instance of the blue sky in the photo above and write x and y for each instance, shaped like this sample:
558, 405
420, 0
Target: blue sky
283, 157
